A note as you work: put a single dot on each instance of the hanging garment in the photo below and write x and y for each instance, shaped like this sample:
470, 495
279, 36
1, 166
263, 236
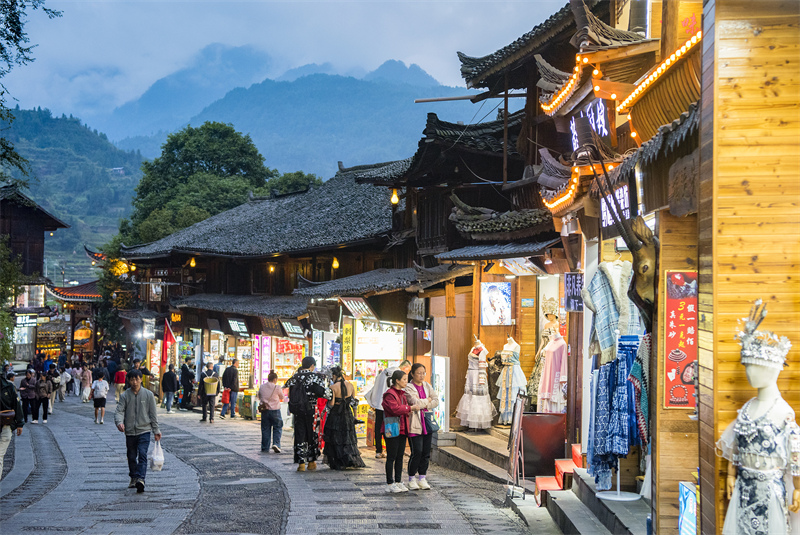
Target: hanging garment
762, 451
640, 378
551, 396
475, 408
536, 378
494, 365
606, 296
603, 462
511, 382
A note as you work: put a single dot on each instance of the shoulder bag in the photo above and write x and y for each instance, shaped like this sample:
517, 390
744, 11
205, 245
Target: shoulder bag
391, 426
431, 425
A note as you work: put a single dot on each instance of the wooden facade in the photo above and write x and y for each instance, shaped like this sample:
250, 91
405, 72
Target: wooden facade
749, 210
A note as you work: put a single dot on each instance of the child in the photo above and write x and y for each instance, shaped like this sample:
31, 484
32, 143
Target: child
99, 393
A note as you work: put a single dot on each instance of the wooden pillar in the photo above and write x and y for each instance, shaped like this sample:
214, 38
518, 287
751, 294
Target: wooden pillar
574, 379
669, 26
750, 210
674, 435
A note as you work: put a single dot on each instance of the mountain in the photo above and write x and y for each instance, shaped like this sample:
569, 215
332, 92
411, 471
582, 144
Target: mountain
78, 176
305, 70
171, 101
312, 122
394, 71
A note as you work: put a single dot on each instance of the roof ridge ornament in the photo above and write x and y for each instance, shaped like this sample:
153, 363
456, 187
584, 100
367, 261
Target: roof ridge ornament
593, 33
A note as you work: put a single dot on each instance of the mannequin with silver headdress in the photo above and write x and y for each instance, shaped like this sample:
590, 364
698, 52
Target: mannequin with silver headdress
762, 445
551, 394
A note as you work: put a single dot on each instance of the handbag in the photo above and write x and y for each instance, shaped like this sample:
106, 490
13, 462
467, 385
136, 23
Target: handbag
391, 426
7, 417
430, 423
226, 396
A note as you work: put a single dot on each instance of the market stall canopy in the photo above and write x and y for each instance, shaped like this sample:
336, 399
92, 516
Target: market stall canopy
83, 293
498, 251
381, 281
339, 212
248, 305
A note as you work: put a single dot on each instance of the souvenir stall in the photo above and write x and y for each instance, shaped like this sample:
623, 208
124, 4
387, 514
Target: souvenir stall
378, 346
287, 356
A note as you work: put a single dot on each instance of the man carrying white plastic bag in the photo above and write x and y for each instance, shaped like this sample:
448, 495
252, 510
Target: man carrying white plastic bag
136, 417
157, 457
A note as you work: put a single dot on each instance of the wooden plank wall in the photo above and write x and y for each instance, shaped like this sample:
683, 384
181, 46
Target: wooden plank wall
459, 341
750, 147
527, 328
675, 436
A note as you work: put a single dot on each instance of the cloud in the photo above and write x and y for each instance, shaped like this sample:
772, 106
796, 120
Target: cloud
101, 54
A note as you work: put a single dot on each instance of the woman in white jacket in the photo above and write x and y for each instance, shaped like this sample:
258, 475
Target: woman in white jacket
419, 392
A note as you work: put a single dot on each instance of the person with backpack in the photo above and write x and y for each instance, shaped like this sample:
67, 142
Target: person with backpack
10, 415
305, 388
207, 391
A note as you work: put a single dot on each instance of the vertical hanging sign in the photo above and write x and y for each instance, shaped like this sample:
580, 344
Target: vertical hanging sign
680, 339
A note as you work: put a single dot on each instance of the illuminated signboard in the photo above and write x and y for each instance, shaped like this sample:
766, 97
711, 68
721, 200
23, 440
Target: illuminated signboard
607, 204
597, 114
238, 326
26, 320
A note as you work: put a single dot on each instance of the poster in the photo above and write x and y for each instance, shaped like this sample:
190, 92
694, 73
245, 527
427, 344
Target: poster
347, 349
680, 339
573, 284
496, 303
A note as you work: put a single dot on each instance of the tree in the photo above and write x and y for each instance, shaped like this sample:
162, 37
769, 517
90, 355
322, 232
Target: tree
210, 168
15, 50
11, 280
292, 182
116, 291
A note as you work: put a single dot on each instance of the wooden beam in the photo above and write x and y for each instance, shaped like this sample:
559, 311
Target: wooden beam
614, 54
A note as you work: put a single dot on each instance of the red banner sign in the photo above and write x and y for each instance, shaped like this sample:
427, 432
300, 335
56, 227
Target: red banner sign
680, 339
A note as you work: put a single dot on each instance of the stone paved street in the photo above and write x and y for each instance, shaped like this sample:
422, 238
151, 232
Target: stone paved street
215, 480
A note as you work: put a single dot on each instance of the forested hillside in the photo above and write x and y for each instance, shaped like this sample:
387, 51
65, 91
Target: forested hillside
80, 177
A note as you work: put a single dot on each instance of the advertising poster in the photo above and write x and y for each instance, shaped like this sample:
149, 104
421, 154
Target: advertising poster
496, 303
347, 349
680, 339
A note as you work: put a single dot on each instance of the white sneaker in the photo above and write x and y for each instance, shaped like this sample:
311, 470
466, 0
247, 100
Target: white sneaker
412, 484
423, 484
34, 421
401, 487
391, 488
44, 421
101, 422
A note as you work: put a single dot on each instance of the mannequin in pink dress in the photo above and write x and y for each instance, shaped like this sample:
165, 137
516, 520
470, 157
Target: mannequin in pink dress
554, 376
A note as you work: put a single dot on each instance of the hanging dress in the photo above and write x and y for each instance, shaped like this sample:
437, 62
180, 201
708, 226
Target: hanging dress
475, 408
762, 451
554, 377
511, 382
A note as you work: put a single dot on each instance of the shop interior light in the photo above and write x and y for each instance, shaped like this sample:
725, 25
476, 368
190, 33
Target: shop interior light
509, 277
272, 269
133, 267
335, 264
395, 198
192, 262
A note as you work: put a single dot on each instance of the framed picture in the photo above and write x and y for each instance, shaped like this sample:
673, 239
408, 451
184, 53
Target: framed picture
496, 303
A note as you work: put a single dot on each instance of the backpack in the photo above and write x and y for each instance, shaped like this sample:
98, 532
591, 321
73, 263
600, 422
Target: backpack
41, 389
298, 399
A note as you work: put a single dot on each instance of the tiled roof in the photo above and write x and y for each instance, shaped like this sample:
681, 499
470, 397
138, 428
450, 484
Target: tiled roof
340, 211
668, 137
97, 256
52, 328
87, 292
12, 193
249, 305
486, 137
475, 70
481, 223
492, 252
383, 281
593, 34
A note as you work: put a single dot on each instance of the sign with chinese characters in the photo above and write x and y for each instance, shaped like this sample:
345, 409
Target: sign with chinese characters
573, 285
347, 348
359, 308
271, 326
148, 328
175, 317
607, 205
680, 339
26, 320
597, 114
238, 326
293, 328
416, 309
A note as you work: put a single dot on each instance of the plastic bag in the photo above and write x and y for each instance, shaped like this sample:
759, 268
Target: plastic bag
157, 457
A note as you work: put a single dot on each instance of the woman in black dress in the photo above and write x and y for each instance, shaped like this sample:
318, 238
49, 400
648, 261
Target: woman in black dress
341, 444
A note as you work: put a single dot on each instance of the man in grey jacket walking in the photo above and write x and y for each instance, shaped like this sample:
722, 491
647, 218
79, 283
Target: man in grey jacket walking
136, 417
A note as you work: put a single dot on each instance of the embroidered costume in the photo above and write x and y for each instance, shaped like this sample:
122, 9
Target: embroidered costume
551, 396
475, 408
511, 381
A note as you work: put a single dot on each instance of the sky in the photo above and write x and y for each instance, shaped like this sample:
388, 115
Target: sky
101, 54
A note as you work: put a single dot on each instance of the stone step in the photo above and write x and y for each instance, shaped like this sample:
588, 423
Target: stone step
626, 518
577, 455
571, 515
458, 459
564, 470
486, 446
500, 432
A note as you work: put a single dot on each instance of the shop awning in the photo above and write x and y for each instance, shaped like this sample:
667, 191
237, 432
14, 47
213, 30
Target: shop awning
267, 306
381, 281
498, 251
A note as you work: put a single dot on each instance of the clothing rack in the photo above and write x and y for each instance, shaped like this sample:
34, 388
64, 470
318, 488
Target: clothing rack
618, 495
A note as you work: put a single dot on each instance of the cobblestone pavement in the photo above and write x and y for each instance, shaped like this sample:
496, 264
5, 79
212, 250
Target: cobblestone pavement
215, 480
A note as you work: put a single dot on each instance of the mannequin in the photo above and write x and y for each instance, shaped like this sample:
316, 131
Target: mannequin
475, 408
511, 381
763, 444
554, 376
538, 368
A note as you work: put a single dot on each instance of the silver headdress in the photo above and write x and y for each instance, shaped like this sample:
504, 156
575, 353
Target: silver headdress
550, 306
763, 348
